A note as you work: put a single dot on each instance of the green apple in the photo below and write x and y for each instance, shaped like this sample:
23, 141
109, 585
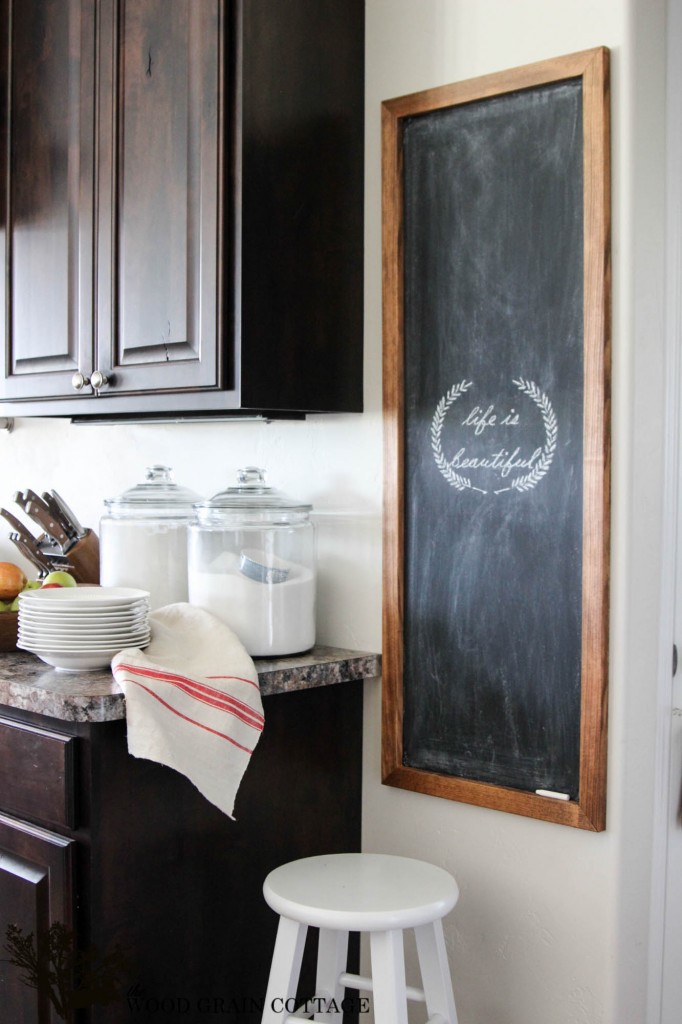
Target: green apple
58, 579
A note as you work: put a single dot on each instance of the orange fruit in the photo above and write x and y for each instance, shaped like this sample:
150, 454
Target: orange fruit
12, 581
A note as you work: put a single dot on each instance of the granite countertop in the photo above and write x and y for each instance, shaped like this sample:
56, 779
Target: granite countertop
29, 684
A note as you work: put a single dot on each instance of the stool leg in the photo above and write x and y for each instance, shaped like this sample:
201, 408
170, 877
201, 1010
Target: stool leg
388, 977
433, 962
284, 971
332, 958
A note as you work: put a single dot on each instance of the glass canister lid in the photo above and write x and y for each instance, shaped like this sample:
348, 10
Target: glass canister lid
251, 496
157, 495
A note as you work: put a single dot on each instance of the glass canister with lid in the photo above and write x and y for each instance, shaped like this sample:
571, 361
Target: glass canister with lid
252, 564
143, 537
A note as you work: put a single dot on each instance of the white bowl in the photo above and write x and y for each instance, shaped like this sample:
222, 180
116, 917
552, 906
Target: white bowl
35, 642
85, 597
86, 621
76, 662
110, 649
69, 629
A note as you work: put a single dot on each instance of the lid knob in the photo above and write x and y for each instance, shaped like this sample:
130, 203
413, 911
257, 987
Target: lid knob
251, 476
157, 473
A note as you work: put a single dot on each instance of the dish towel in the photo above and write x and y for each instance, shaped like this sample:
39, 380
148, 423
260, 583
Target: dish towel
193, 701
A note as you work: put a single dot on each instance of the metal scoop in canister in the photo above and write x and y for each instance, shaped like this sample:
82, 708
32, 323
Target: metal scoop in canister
261, 573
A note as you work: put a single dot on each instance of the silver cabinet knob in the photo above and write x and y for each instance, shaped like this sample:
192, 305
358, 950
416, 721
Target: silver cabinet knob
78, 381
99, 380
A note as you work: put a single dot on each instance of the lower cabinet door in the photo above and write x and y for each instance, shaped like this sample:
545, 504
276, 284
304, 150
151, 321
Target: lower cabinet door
36, 923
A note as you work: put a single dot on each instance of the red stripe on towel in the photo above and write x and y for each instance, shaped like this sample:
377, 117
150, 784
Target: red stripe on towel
223, 703
238, 679
207, 694
192, 721
175, 676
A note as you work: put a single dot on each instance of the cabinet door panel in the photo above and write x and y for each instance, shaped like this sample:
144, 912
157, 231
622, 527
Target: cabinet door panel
47, 184
158, 324
35, 892
37, 773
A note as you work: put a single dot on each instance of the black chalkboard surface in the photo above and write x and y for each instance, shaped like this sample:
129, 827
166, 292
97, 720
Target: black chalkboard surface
495, 366
493, 453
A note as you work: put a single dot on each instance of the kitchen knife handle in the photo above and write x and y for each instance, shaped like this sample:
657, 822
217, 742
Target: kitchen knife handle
16, 524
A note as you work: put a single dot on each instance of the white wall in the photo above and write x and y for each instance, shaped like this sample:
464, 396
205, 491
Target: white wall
552, 922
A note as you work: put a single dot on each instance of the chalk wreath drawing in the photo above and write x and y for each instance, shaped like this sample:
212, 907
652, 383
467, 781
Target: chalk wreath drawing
520, 483
462, 483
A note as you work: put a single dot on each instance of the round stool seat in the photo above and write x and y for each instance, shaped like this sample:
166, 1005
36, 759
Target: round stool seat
361, 892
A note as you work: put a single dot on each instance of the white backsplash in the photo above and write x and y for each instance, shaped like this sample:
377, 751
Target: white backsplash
333, 462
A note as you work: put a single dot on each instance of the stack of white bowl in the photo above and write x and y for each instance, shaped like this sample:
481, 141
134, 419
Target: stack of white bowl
80, 628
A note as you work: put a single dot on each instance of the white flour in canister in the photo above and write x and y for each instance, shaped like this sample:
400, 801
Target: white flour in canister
143, 537
150, 555
269, 618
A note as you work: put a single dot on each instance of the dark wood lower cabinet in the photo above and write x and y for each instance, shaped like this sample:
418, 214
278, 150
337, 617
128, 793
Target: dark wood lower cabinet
36, 871
157, 879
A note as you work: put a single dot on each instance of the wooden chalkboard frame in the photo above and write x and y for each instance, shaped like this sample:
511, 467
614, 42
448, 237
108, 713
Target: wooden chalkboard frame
588, 811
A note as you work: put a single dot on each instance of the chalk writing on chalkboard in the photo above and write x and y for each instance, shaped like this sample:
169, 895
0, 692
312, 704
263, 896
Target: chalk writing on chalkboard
489, 452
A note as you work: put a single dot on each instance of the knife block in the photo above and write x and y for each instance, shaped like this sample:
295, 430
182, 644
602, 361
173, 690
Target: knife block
9, 622
84, 557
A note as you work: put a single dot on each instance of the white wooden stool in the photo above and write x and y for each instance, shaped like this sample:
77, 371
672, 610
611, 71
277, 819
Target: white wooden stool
360, 892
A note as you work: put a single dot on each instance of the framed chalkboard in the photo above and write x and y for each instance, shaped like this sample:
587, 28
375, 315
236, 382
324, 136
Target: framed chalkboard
496, 270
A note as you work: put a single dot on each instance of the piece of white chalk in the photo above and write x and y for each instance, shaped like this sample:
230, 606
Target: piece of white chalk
555, 796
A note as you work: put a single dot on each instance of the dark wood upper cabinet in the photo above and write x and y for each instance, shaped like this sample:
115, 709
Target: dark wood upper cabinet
46, 125
158, 242
181, 198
